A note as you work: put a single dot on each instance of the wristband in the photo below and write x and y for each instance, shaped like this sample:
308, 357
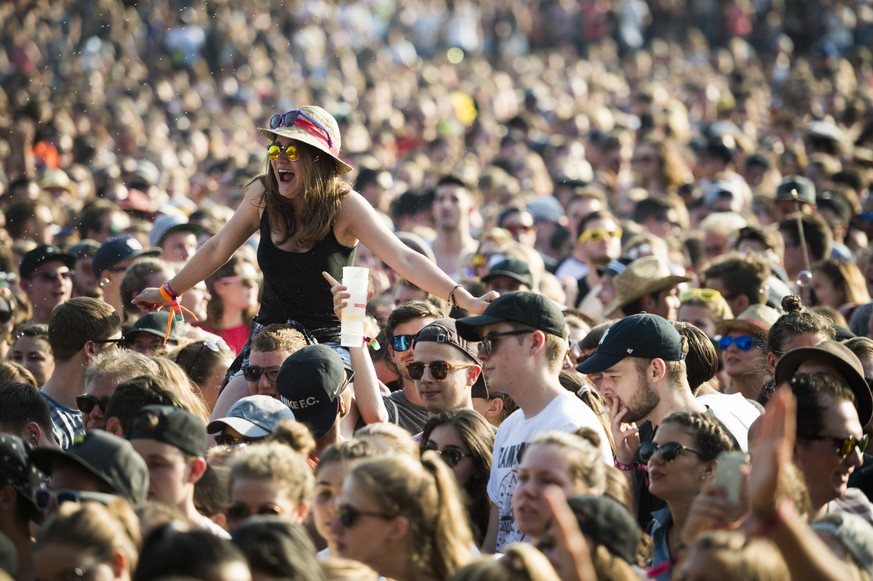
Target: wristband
372, 343
168, 293
452, 300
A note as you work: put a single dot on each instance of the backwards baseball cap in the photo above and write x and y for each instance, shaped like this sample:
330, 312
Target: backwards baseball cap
310, 383
17, 468
843, 360
608, 523
117, 250
803, 185
255, 416
111, 459
33, 259
642, 335
167, 224
513, 268
527, 308
445, 331
170, 425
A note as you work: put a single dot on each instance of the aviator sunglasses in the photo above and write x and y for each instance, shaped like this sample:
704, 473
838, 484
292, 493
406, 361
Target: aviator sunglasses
669, 451
438, 369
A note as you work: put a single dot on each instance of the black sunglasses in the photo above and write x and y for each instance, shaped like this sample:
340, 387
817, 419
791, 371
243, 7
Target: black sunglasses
489, 341
347, 515
401, 342
844, 446
438, 369
451, 456
253, 372
228, 440
669, 451
86, 403
239, 512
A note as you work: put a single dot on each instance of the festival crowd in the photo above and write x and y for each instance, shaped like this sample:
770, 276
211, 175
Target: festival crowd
618, 322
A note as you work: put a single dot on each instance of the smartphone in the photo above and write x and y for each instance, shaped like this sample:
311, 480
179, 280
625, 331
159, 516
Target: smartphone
728, 475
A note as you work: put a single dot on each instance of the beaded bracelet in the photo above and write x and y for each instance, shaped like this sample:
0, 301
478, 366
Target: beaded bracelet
452, 300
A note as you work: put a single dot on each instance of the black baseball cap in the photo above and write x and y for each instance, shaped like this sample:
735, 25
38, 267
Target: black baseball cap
527, 308
514, 268
170, 425
17, 468
154, 324
608, 523
310, 383
109, 458
642, 335
41, 254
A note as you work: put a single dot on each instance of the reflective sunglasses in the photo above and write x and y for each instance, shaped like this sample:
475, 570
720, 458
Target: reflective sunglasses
598, 234
706, 295
402, 342
439, 370
347, 515
843, 446
44, 498
52, 275
743, 343
302, 120
451, 456
489, 341
254, 373
239, 512
275, 150
5, 316
86, 403
669, 451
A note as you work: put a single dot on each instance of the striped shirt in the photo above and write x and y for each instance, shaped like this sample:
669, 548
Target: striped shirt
66, 423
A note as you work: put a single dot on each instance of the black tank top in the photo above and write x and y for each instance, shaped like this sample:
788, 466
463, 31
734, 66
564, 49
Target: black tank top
293, 286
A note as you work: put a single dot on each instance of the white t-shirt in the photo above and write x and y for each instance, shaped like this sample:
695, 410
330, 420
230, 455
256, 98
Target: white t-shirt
734, 412
565, 413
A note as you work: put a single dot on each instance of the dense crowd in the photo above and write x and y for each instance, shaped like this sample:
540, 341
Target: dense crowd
619, 313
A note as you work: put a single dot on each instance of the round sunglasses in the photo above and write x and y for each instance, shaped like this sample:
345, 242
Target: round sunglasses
439, 370
275, 150
669, 451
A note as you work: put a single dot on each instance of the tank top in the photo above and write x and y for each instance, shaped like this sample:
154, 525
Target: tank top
293, 287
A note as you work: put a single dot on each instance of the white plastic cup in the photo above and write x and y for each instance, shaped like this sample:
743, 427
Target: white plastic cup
355, 279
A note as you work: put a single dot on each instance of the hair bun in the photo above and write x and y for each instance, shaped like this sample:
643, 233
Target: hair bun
791, 304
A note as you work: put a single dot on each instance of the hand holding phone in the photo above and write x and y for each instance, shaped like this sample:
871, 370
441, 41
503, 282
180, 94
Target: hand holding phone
728, 474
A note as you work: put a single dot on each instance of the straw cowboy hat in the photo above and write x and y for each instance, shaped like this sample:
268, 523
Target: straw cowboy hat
642, 277
755, 320
311, 125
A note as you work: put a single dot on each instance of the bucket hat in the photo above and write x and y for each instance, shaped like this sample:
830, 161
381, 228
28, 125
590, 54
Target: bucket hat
642, 277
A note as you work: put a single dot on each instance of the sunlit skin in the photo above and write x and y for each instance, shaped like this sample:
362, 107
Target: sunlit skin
101, 387
446, 437
453, 392
266, 359
179, 246
328, 485
402, 358
289, 174
681, 478
169, 472
371, 539
50, 284
35, 355
699, 316
622, 382
744, 366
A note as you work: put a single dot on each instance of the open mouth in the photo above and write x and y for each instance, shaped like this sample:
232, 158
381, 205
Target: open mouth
286, 176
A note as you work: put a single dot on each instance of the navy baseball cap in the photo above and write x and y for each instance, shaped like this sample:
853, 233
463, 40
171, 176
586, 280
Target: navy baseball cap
643, 335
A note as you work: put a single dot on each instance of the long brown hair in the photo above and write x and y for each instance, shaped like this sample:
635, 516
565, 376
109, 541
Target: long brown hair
323, 190
215, 306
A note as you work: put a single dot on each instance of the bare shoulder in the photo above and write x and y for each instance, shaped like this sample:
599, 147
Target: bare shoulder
352, 211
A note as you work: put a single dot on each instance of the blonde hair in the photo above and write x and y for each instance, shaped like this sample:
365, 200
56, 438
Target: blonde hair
426, 493
339, 569
181, 386
847, 278
389, 438
584, 459
12, 372
744, 557
520, 562
275, 463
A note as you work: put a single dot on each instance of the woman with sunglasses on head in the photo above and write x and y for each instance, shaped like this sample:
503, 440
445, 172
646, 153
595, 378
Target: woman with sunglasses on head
269, 478
310, 222
571, 462
234, 290
703, 307
31, 349
205, 363
743, 346
404, 518
465, 440
680, 459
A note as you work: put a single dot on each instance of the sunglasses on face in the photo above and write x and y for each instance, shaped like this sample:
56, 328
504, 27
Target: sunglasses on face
227, 440
275, 150
598, 234
451, 456
239, 512
253, 372
843, 446
516, 229
439, 370
401, 343
489, 341
347, 515
52, 275
669, 451
704, 294
302, 120
86, 403
45, 498
744, 343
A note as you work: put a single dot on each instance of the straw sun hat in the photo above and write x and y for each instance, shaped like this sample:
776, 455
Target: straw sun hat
311, 125
642, 277
755, 320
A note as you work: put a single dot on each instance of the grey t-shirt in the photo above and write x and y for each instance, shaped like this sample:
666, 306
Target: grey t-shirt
404, 413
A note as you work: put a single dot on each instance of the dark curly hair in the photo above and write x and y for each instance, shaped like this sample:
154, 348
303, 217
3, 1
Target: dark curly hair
710, 438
